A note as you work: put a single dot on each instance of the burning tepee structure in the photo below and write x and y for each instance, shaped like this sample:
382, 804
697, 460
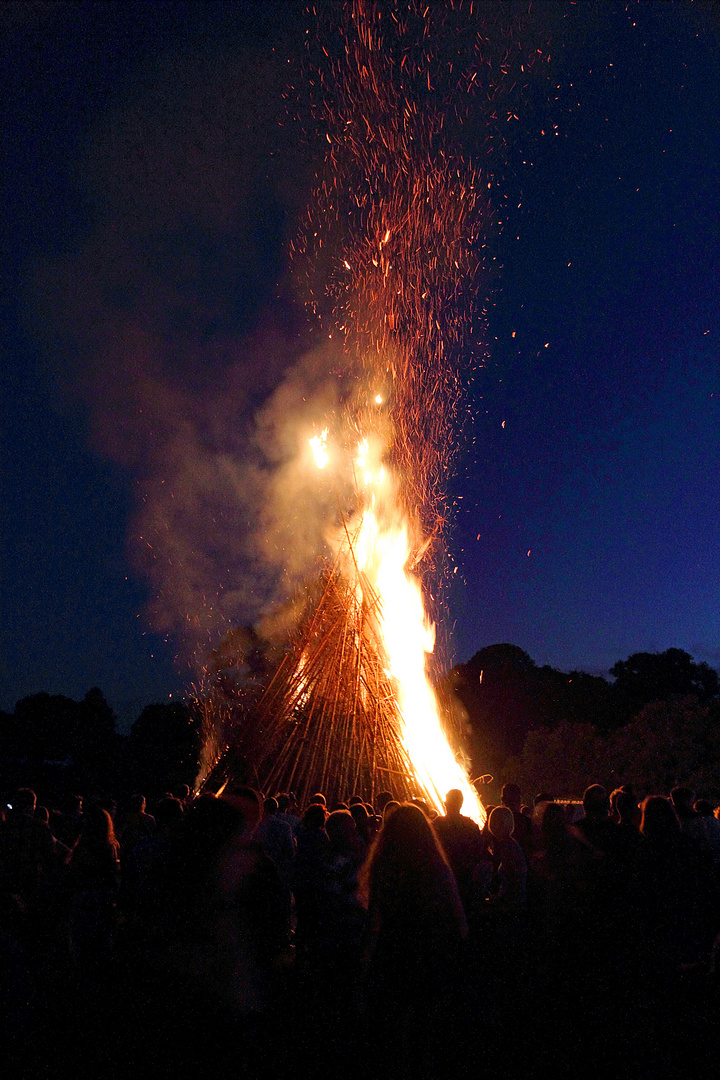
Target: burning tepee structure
397, 216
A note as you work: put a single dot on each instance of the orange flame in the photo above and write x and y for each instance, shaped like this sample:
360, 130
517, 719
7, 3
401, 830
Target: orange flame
409, 638
381, 550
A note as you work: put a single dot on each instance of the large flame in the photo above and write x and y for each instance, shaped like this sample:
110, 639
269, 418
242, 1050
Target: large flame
409, 638
398, 218
380, 550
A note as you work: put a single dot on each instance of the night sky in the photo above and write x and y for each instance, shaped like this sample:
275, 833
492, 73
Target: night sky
153, 179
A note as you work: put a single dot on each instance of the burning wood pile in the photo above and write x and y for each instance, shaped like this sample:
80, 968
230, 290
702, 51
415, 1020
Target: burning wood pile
329, 719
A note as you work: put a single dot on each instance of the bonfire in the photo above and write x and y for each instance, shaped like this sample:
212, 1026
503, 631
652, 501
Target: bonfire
397, 214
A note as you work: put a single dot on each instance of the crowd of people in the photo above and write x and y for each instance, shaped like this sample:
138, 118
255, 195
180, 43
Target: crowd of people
241, 934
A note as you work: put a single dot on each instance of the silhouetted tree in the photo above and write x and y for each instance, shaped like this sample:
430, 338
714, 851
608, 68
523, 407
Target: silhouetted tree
646, 677
46, 726
95, 743
163, 748
563, 761
668, 743
506, 695
496, 687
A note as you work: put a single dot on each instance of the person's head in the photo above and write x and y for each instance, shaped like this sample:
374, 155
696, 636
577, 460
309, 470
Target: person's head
488, 811
703, 807
42, 814
390, 807
354, 799
137, 804
405, 850
511, 797
626, 806
24, 800
247, 801
682, 799
314, 817
381, 800
283, 802
98, 826
183, 793
659, 820
551, 817
502, 822
596, 803
318, 797
361, 816
270, 806
541, 797
453, 802
341, 829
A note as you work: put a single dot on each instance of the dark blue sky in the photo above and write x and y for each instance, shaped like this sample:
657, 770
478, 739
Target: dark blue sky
148, 194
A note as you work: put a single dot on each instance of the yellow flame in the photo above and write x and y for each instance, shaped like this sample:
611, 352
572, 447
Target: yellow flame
409, 637
382, 552
361, 461
318, 444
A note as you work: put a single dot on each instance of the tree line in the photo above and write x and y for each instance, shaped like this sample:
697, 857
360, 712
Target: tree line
656, 724
56, 745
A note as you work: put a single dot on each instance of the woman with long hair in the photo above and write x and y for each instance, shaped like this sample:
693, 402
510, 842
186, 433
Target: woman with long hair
94, 879
416, 930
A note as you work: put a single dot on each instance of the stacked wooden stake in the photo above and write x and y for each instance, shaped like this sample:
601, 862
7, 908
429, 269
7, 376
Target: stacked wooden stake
329, 720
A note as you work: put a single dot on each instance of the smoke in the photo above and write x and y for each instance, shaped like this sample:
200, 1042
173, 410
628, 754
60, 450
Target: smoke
176, 321
197, 381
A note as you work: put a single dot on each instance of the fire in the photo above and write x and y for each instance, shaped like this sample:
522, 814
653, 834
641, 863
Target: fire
380, 550
411, 237
409, 638
318, 445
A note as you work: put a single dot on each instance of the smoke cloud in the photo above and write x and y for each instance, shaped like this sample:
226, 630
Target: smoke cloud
198, 381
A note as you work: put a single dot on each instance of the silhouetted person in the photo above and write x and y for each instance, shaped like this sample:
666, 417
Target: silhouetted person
416, 929
310, 876
711, 828
344, 915
461, 841
511, 868
381, 800
276, 837
287, 809
27, 850
596, 826
690, 821
136, 823
668, 885
363, 822
511, 797
95, 879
